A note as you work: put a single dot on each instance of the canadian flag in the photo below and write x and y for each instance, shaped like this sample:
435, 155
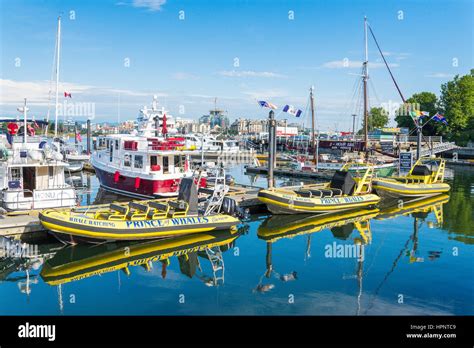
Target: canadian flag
66, 94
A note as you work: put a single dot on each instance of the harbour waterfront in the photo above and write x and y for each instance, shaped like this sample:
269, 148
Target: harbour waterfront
413, 264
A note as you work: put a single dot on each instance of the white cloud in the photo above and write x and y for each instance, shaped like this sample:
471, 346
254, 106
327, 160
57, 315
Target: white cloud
249, 73
351, 64
151, 5
37, 92
440, 75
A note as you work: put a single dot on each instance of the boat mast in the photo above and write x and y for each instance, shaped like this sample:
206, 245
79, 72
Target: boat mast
366, 102
57, 78
25, 131
313, 140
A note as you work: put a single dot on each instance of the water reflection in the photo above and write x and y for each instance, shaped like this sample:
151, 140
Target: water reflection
21, 263
74, 263
280, 255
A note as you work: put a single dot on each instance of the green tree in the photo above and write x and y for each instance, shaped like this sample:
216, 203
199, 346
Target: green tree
424, 101
378, 118
457, 104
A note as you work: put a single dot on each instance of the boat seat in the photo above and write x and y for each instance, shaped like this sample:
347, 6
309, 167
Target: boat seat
302, 193
119, 212
137, 211
158, 210
336, 192
316, 193
180, 208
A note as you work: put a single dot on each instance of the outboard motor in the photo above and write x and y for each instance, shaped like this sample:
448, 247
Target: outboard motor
188, 192
230, 207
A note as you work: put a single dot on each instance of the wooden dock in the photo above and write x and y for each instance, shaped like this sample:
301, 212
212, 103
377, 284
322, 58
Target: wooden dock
321, 175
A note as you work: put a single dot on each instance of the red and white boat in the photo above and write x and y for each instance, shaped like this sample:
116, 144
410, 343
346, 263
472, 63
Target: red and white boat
147, 164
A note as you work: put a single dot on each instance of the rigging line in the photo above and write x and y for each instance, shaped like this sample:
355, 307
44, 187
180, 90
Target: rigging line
354, 89
375, 92
386, 64
376, 253
394, 265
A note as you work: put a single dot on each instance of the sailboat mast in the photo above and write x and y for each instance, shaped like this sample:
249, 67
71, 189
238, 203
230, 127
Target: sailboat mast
313, 131
366, 102
57, 78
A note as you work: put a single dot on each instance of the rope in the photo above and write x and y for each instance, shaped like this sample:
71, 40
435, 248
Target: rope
386, 64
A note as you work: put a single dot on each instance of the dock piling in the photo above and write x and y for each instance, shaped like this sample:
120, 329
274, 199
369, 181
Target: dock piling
271, 147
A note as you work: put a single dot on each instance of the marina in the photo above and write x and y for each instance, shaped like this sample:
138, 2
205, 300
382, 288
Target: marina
257, 258
186, 164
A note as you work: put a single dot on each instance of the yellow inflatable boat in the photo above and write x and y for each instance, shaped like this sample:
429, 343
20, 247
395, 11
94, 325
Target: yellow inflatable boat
344, 192
426, 178
132, 221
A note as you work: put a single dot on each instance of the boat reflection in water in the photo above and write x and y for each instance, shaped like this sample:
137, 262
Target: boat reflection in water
20, 263
342, 226
419, 209
82, 261
289, 226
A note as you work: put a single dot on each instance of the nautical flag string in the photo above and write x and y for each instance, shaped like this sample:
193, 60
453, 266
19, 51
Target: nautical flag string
290, 109
265, 104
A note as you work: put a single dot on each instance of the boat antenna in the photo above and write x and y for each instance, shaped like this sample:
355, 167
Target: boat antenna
366, 103
58, 49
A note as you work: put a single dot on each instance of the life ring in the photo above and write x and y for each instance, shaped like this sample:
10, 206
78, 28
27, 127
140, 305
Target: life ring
12, 128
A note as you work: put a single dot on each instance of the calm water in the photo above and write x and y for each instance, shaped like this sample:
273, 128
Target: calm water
416, 259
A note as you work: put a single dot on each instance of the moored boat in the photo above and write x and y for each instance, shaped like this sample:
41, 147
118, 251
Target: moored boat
140, 220
343, 192
425, 178
149, 164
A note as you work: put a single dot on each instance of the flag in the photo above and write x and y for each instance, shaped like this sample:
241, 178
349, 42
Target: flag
292, 110
66, 94
78, 137
424, 114
265, 104
440, 118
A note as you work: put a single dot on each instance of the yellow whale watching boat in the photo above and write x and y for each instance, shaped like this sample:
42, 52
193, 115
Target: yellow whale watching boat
342, 193
425, 178
137, 220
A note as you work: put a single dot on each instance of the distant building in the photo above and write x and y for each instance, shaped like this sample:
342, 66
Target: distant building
216, 117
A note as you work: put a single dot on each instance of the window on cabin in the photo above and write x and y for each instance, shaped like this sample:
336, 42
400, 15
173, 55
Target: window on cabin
51, 172
177, 161
166, 165
153, 160
127, 160
15, 174
138, 161
116, 144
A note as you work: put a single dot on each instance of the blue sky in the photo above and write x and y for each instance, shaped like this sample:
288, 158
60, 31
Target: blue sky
189, 62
